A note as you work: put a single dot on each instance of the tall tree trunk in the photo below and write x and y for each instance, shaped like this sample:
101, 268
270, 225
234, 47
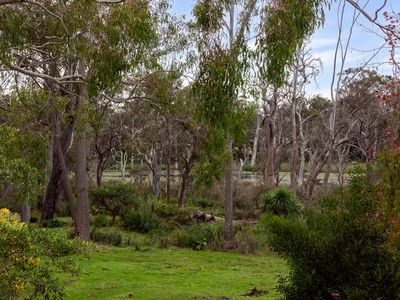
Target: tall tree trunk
270, 165
295, 151
328, 169
99, 170
255, 142
303, 148
228, 207
26, 212
155, 172
182, 188
168, 179
81, 173
54, 187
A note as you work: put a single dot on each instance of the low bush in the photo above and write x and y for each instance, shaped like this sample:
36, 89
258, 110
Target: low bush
202, 202
53, 223
113, 238
200, 237
114, 198
141, 221
100, 221
250, 240
174, 215
280, 202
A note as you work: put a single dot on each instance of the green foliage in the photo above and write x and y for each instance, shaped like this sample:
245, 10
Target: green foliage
53, 223
202, 202
15, 163
345, 250
29, 257
288, 23
141, 221
100, 221
174, 215
251, 240
115, 198
208, 15
280, 201
113, 238
200, 237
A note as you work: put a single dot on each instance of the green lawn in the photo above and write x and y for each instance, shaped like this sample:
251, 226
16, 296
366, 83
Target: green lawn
112, 273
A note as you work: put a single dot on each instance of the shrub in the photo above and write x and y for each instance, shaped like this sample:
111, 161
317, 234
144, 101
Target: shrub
141, 221
345, 252
280, 202
175, 215
29, 257
201, 236
114, 198
199, 201
53, 223
250, 240
100, 221
113, 238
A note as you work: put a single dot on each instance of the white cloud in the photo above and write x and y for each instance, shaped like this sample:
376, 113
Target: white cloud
322, 42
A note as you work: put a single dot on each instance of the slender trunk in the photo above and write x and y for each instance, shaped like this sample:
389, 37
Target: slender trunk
300, 179
269, 171
270, 161
26, 212
99, 170
328, 169
123, 161
295, 153
155, 172
169, 165
182, 189
228, 207
255, 143
80, 164
242, 162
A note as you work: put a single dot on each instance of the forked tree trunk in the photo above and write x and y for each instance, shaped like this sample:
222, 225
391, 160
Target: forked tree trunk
54, 187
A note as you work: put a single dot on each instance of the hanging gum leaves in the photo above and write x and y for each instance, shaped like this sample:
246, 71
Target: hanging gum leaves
209, 15
216, 88
288, 23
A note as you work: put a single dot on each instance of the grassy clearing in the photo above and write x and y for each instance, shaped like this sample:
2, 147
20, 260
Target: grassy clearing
112, 273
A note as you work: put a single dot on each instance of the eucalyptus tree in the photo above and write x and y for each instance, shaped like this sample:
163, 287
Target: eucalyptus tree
220, 77
282, 27
73, 50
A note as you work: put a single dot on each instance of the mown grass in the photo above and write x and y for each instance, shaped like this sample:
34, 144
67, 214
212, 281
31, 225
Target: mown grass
112, 273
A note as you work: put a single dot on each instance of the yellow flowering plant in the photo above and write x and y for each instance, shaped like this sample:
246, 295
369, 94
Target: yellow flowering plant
30, 256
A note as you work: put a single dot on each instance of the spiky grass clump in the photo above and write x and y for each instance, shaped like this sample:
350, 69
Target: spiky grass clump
281, 202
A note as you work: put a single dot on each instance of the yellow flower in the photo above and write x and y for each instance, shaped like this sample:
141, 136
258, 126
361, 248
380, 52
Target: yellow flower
18, 285
4, 211
33, 261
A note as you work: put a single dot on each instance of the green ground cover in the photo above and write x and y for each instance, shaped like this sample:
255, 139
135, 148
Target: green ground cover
112, 273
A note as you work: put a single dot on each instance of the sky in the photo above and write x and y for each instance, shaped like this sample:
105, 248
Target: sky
364, 39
